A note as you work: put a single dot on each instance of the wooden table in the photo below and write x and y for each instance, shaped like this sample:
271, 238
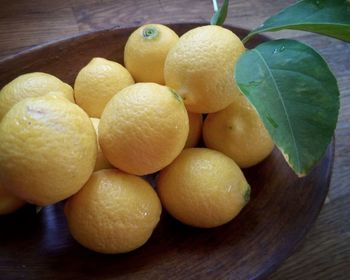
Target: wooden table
325, 254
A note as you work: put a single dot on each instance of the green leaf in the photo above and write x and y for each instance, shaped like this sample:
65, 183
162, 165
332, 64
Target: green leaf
220, 15
296, 95
327, 17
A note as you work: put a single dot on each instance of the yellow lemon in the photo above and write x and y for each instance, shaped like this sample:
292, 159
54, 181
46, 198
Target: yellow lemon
98, 82
146, 50
114, 212
47, 149
31, 85
101, 161
195, 129
203, 188
200, 68
238, 132
143, 128
56, 94
9, 203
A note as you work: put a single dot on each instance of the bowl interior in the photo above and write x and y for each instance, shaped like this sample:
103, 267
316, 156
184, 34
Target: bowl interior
281, 210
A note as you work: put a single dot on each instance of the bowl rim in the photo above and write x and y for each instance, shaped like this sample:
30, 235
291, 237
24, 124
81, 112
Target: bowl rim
329, 153
102, 30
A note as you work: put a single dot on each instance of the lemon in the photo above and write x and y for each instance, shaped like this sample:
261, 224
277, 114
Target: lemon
200, 68
146, 50
56, 94
143, 128
114, 212
98, 82
238, 132
203, 188
31, 85
9, 203
47, 149
195, 129
101, 161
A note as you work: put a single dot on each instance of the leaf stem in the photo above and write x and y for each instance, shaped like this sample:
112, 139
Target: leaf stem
247, 38
215, 6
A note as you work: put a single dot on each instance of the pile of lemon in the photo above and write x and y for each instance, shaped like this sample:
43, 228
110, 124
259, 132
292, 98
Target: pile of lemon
90, 145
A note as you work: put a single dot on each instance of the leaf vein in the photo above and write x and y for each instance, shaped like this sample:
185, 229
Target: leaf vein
283, 105
297, 72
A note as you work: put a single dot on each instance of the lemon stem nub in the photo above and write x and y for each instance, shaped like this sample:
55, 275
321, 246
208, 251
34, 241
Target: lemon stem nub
150, 32
247, 194
176, 95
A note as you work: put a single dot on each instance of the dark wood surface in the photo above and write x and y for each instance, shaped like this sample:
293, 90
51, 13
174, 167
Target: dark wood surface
282, 209
325, 254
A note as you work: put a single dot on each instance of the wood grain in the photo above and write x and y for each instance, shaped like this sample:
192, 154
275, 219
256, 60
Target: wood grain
325, 254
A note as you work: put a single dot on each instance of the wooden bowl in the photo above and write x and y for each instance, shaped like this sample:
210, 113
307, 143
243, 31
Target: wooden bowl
281, 211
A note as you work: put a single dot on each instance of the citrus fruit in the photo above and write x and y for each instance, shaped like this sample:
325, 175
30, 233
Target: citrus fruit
47, 149
98, 82
101, 161
203, 188
114, 212
195, 132
238, 132
57, 94
200, 68
146, 50
143, 128
9, 203
31, 85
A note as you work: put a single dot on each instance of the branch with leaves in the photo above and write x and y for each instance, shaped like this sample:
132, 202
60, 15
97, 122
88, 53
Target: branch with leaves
290, 85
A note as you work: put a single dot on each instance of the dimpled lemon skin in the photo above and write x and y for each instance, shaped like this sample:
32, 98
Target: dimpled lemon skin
203, 188
238, 132
143, 128
47, 149
31, 85
98, 82
195, 132
101, 161
9, 203
146, 50
113, 213
200, 68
